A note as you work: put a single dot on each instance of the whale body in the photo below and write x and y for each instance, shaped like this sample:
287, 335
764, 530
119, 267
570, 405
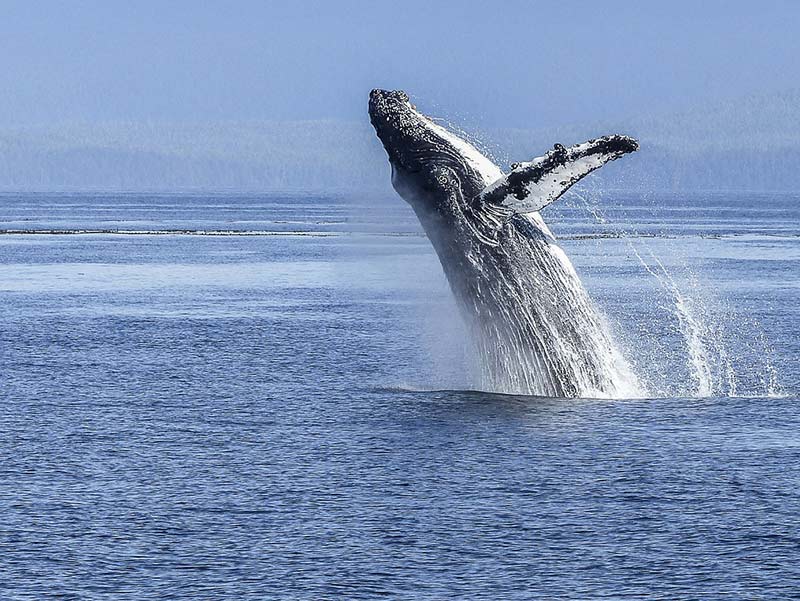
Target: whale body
535, 329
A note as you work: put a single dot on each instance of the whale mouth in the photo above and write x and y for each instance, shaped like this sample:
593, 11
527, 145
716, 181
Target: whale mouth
397, 123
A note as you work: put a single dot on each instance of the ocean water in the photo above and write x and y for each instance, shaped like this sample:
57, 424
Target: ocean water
216, 396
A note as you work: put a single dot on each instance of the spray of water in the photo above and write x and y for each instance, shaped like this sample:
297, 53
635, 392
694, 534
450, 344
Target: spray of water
534, 328
707, 326
694, 330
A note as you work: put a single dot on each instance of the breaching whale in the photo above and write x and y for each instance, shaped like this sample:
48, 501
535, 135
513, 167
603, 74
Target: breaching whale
535, 328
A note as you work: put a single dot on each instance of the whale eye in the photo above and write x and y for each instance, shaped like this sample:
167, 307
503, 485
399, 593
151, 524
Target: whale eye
514, 165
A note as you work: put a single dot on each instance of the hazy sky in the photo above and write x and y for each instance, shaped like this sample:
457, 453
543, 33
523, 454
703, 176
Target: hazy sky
521, 64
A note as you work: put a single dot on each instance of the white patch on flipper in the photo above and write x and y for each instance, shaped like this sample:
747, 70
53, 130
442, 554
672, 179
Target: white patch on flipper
539, 194
553, 185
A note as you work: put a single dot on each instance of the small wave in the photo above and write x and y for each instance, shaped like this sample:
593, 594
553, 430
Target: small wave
418, 389
603, 235
169, 232
415, 389
200, 232
624, 234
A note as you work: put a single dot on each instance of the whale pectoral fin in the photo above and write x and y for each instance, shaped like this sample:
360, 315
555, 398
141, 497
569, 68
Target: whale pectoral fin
532, 186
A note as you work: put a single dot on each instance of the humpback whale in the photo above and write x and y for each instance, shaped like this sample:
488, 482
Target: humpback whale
535, 329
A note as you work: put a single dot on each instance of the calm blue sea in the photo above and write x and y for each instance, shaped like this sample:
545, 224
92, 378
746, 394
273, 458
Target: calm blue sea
217, 396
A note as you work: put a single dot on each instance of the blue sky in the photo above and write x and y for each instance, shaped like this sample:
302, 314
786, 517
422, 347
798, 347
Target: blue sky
518, 64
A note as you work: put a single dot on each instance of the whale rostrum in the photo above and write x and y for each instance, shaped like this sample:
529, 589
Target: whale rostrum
534, 327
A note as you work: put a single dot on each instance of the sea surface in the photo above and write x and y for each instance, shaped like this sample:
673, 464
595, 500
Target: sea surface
244, 396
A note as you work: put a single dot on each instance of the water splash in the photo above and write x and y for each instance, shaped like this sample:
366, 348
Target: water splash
537, 331
692, 327
708, 328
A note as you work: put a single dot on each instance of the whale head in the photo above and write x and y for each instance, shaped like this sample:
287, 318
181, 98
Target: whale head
457, 192
434, 170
